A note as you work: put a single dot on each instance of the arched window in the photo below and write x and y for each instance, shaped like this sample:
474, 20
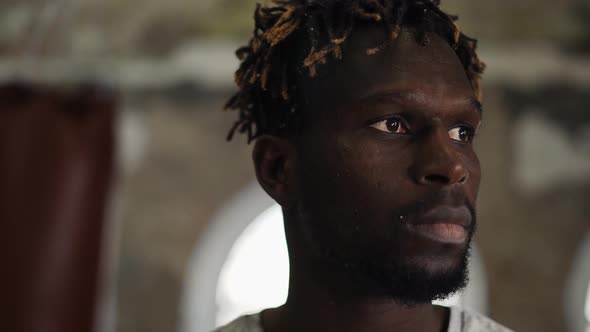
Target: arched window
249, 268
577, 298
255, 274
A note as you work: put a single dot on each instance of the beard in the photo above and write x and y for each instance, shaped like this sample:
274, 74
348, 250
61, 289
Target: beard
376, 268
406, 283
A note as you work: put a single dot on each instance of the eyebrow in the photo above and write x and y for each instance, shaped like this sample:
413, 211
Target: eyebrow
476, 104
398, 97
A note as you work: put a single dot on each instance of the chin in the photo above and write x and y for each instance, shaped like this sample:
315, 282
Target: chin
438, 264
418, 281
426, 279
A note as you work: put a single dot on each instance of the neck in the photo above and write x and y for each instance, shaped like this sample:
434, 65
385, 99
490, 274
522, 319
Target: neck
320, 301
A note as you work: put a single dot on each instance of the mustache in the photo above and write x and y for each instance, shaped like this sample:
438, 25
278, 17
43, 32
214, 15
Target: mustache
432, 200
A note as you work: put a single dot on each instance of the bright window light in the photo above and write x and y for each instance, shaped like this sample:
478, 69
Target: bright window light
454, 300
255, 275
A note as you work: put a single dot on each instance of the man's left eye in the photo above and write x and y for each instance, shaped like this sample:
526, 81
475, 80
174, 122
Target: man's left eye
392, 125
462, 134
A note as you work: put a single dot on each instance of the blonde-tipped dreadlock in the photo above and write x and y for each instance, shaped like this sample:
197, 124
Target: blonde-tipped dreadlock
267, 77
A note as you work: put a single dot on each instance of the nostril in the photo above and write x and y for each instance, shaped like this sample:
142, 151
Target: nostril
434, 178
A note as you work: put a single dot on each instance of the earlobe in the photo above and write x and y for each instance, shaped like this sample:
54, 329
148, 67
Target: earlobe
274, 163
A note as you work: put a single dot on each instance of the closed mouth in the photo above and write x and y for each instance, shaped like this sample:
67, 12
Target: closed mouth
443, 224
441, 232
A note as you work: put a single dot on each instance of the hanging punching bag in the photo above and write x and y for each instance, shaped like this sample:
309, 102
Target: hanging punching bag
56, 169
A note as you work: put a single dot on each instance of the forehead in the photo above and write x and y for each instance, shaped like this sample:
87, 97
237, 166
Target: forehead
431, 70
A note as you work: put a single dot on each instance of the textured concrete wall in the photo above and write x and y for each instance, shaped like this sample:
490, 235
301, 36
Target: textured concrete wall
187, 173
96, 28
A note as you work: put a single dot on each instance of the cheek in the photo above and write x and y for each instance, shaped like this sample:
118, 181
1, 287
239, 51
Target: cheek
331, 178
354, 181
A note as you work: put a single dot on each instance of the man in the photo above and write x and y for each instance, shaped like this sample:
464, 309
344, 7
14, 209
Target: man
363, 114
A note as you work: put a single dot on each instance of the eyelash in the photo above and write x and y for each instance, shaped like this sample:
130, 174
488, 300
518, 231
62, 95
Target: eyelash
382, 125
470, 133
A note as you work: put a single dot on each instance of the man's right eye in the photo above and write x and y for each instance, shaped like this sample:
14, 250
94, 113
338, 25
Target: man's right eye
392, 125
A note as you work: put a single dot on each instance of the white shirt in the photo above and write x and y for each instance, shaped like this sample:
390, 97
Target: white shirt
461, 320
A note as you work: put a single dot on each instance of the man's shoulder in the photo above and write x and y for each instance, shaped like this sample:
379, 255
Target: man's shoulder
466, 320
462, 320
248, 323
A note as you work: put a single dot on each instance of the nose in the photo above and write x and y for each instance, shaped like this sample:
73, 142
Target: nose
438, 162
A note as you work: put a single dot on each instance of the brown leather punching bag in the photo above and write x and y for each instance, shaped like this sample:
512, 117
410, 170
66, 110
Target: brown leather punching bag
56, 168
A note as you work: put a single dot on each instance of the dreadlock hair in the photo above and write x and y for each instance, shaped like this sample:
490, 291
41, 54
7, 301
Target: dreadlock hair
269, 73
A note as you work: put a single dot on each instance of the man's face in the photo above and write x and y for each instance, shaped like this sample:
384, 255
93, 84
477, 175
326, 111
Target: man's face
387, 169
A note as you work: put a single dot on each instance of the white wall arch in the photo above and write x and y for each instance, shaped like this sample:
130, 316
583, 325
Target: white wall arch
242, 256
198, 308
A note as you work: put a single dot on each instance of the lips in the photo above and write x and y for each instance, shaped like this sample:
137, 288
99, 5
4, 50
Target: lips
442, 224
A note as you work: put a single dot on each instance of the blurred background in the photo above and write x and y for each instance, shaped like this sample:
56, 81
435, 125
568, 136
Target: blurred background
117, 177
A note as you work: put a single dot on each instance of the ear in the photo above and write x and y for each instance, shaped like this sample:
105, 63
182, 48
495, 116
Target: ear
275, 166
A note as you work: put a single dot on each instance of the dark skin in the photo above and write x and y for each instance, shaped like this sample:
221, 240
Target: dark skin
390, 136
